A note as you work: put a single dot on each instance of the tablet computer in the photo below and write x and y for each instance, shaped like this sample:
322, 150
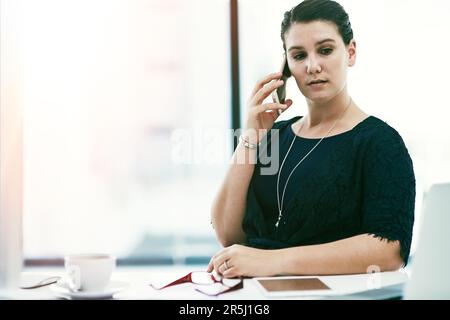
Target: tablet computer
292, 286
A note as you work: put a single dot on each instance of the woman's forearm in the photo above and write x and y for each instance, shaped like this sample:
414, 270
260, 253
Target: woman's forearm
229, 206
358, 254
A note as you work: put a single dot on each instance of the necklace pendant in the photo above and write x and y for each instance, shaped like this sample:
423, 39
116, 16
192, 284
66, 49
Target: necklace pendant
278, 222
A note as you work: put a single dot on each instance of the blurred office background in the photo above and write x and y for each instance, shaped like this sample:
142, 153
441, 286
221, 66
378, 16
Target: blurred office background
126, 105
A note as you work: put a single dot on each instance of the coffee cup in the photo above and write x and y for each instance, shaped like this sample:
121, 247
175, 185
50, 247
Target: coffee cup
89, 272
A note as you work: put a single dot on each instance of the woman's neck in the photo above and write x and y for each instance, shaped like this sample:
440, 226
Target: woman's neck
320, 114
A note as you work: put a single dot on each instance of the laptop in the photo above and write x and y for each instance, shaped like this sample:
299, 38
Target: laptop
430, 270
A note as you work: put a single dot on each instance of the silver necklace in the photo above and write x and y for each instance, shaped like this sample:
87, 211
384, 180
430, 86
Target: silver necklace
280, 203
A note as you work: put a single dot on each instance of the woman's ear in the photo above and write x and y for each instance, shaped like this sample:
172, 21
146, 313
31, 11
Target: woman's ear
351, 53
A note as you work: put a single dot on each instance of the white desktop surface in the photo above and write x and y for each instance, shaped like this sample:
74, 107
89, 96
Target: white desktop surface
139, 279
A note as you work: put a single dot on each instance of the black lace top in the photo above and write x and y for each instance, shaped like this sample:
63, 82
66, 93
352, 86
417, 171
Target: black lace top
360, 181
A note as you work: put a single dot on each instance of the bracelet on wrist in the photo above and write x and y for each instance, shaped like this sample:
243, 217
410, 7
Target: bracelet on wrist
248, 144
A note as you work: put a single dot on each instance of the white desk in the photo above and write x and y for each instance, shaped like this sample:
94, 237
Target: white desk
139, 279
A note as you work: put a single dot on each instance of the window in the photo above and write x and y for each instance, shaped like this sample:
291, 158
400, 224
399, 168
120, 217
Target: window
108, 88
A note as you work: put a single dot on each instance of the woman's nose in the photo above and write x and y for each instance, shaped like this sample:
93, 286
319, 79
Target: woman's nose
313, 66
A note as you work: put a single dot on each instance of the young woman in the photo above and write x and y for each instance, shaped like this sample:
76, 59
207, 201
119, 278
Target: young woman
342, 199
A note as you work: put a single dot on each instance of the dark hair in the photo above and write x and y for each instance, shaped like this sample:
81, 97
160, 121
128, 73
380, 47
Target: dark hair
312, 10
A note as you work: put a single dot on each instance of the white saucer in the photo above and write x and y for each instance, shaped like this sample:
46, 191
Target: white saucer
112, 288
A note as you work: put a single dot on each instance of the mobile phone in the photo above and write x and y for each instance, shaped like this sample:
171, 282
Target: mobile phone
279, 95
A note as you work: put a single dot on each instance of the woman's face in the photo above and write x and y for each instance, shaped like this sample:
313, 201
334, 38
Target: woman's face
316, 52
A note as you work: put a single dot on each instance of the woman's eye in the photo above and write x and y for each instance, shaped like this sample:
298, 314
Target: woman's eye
326, 51
299, 56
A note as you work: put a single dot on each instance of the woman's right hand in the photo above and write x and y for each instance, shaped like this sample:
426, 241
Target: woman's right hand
262, 116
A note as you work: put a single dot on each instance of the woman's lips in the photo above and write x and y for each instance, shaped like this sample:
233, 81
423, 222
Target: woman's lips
318, 84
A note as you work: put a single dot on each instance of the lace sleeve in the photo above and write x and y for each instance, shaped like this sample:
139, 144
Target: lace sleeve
389, 191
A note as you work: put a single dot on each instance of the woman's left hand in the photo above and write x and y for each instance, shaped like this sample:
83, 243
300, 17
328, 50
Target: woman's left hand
241, 261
